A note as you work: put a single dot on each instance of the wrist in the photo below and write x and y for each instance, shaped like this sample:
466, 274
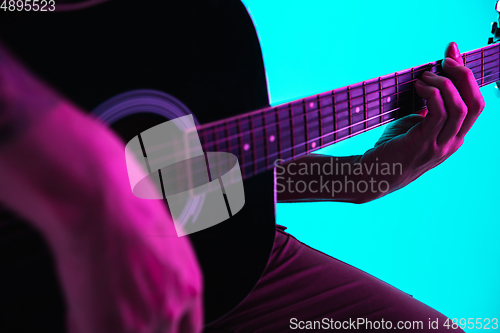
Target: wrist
393, 167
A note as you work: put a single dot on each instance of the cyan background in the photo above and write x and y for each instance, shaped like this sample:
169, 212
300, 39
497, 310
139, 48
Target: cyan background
437, 238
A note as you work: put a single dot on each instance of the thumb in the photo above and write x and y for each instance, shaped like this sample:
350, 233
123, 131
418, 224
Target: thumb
453, 52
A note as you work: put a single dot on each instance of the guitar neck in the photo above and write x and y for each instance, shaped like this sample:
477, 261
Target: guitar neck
293, 129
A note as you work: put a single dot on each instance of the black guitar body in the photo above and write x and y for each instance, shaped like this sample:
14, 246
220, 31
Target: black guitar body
205, 53
239, 248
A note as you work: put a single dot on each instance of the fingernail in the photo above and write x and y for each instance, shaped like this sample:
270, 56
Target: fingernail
454, 50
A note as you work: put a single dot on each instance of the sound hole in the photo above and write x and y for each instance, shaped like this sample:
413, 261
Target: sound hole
130, 126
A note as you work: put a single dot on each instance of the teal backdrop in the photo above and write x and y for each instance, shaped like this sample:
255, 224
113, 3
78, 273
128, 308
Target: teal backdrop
438, 238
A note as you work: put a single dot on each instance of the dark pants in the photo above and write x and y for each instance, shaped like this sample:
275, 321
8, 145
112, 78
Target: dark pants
301, 285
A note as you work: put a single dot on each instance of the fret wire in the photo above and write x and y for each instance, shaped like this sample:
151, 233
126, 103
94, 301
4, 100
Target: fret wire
365, 104
306, 129
335, 120
228, 144
253, 146
280, 143
413, 91
482, 66
349, 109
240, 140
266, 138
216, 140
292, 136
206, 138
397, 94
320, 119
306, 124
206, 158
380, 94
218, 149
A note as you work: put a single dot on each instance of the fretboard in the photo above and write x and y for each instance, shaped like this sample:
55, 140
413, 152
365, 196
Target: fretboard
290, 130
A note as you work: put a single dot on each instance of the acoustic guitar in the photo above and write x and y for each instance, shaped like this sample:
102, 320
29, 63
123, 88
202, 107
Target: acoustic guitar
202, 57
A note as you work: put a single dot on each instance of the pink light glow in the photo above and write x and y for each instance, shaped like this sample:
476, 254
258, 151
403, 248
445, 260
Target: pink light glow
313, 145
311, 105
388, 99
357, 109
271, 138
246, 146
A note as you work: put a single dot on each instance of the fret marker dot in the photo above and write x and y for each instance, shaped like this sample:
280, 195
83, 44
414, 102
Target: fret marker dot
313, 145
246, 146
388, 99
311, 105
271, 138
357, 109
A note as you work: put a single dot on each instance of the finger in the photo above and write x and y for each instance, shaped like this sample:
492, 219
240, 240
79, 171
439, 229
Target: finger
436, 116
453, 52
467, 86
454, 105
